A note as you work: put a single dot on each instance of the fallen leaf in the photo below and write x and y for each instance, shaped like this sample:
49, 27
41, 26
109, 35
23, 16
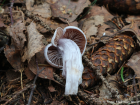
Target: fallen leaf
100, 11
1, 23
18, 1
13, 57
106, 29
99, 20
29, 4
89, 26
17, 35
68, 9
43, 10
129, 19
134, 27
53, 24
51, 89
47, 73
90, 30
134, 63
104, 92
30, 75
34, 42
51, 1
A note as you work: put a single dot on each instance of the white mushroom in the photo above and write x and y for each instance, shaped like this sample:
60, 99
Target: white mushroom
65, 51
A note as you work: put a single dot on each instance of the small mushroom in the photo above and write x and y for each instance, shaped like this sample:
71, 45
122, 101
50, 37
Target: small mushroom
65, 51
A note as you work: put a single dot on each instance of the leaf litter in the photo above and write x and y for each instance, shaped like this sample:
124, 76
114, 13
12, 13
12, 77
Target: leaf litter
24, 51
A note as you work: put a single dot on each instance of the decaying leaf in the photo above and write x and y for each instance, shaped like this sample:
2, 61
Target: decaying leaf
1, 23
135, 28
104, 92
129, 19
90, 25
18, 1
100, 11
29, 4
42, 10
134, 63
13, 57
30, 75
68, 9
53, 24
34, 42
51, 1
106, 29
51, 89
16, 32
47, 73
89, 28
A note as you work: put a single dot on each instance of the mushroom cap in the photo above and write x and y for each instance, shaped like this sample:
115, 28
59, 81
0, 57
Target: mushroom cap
73, 33
52, 56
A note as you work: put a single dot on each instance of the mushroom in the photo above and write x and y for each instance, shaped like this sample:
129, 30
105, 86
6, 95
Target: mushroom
65, 51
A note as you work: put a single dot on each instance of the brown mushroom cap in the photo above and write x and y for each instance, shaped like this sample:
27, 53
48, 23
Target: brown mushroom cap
77, 35
51, 52
52, 56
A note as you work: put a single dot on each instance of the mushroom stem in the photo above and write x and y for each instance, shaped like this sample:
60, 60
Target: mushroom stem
72, 65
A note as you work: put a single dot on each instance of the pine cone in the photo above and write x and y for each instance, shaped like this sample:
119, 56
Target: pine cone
110, 57
123, 6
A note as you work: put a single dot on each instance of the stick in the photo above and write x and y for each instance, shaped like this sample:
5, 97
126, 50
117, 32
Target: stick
12, 3
33, 88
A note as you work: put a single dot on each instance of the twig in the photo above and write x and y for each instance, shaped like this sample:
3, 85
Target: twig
135, 88
33, 88
21, 71
11, 6
115, 24
18, 93
35, 18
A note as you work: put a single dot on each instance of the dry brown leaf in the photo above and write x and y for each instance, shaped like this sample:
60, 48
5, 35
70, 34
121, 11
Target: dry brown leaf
42, 10
1, 23
53, 24
90, 30
34, 42
13, 57
129, 19
18, 1
51, 1
89, 26
100, 11
135, 28
29, 4
68, 9
47, 73
17, 35
52, 89
105, 29
134, 63
104, 92
30, 75
99, 20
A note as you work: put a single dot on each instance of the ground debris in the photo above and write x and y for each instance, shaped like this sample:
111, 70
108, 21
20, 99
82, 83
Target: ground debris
111, 69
